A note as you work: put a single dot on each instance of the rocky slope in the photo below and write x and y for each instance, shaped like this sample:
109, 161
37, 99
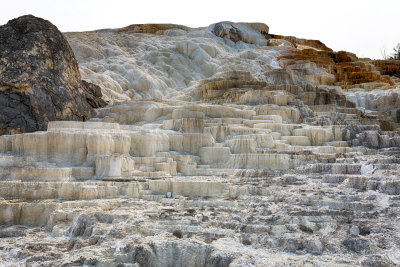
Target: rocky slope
222, 146
39, 78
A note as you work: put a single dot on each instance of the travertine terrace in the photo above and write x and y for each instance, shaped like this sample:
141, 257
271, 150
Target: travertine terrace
220, 146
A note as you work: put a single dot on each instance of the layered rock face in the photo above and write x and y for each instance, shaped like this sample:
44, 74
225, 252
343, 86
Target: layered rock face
39, 78
388, 67
221, 146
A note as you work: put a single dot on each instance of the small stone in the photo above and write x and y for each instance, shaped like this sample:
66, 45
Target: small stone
177, 233
354, 230
314, 246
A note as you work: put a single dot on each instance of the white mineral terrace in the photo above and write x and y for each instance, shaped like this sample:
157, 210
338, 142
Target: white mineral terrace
210, 153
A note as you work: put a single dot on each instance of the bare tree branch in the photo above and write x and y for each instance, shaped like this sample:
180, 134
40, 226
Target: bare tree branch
383, 53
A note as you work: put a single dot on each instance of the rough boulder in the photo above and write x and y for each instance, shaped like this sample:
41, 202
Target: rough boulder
39, 78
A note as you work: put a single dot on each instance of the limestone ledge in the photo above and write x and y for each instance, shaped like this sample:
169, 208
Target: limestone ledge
168, 140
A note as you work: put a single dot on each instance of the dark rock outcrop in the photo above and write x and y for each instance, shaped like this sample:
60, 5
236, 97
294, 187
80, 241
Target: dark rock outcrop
228, 31
39, 78
241, 31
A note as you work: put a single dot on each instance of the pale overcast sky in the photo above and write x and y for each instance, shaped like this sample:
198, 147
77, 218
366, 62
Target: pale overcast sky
364, 27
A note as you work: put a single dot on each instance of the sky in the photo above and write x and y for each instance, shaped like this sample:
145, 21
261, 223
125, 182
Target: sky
364, 27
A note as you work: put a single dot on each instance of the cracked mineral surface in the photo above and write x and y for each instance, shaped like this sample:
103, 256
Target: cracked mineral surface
220, 146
